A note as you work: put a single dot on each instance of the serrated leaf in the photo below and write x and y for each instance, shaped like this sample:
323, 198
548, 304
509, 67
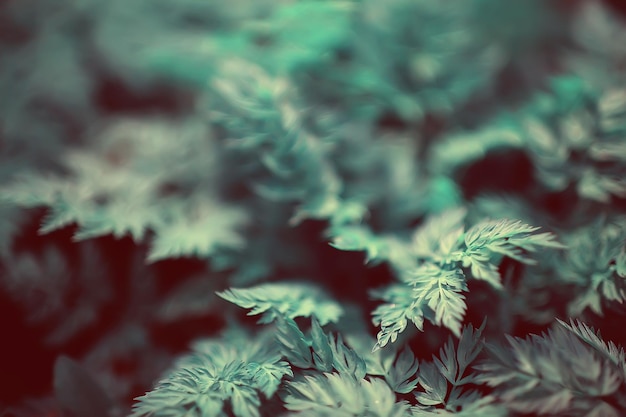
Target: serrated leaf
501, 237
322, 352
401, 373
393, 316
620, 263
293, 343
267, 375
446, 362
440, 290
345, 360
200, 383
288, 299
360, 238
439, 235
587, 334
434, 385
557, 372
470, 346
198, 230
331, 395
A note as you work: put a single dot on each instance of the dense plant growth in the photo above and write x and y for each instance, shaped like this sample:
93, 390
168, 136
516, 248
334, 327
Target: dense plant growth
422, 202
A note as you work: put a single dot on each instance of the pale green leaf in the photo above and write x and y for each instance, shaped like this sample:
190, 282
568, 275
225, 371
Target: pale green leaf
288, 299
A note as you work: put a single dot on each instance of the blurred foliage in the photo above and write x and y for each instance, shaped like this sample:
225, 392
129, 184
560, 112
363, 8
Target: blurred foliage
308, 159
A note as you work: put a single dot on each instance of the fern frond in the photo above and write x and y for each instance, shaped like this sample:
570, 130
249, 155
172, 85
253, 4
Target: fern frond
330, 395
588, 335
568, 370
197, 228
393, 316
446, 382
345, 360
439, 236
360, 238
592, 265
439, 248
398, 367
216, 372
505, 238
293, 344
289, 299
399, 374
440, 289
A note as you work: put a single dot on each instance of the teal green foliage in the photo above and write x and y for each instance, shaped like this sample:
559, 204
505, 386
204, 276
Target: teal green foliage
340, 395
215, 373
321, 375
435, 278
569, 370
599, 56
593, 264
449, 386
346, 171
573, 133
287, 299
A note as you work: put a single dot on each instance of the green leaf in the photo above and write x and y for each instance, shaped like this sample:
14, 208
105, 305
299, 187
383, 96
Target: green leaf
392, 317
439, 236
470, 346
620, 263
611, 351
446, 362
400, 375
345, 360
268, 375
322, 352
568, 370
201, 382
315, 394
591, 263
440, 290
245, 401
360, 238
288, 299
501, 237
197, 229
507, 237
293, 343
434, 385
445, 380
341, 395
